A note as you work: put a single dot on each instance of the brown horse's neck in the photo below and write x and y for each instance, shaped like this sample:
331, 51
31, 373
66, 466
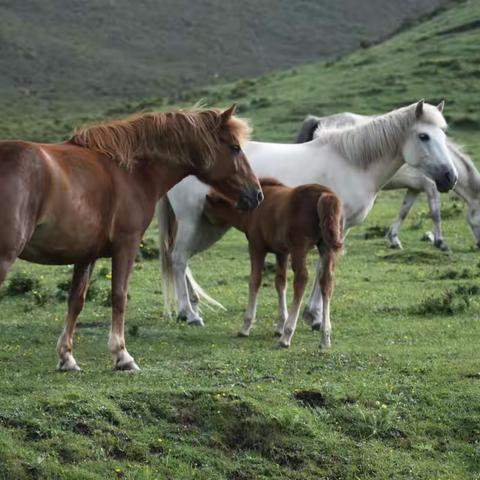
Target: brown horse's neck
162, 176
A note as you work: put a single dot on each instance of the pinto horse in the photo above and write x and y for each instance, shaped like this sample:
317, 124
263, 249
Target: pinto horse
94, 196
290, 222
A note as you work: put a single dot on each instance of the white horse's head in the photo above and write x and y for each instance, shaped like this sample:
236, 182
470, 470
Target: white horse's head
425, 147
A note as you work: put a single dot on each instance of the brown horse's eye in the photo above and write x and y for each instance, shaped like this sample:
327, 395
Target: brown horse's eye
235, 148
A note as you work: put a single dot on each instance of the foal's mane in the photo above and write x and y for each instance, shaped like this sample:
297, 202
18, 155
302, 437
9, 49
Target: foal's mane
184, 137
382, 135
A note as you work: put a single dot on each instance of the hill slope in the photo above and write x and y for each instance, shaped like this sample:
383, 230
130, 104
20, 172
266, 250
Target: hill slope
85, 52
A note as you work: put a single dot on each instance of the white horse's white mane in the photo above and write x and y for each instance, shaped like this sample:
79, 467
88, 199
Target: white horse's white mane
383, 135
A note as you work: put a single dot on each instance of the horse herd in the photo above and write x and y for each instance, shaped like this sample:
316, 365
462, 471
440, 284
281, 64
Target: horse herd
94, 196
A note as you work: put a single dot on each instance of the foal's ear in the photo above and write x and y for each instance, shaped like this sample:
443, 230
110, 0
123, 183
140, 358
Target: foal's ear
419, 109
441, 106
227, 114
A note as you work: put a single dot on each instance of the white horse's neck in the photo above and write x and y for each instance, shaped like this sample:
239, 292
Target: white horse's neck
379, 139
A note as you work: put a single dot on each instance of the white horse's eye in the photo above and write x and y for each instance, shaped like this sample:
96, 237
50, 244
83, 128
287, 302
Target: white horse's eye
424, 137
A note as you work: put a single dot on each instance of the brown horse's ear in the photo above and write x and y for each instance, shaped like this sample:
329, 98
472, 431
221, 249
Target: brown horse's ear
441, 106
419, 109
227, 114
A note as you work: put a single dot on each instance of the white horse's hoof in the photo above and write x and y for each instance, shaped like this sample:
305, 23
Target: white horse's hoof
243, 334
130, 366
317, 326
284, 343
278, 333
441, 245
309, 316
182, 317
196, 322
428, 237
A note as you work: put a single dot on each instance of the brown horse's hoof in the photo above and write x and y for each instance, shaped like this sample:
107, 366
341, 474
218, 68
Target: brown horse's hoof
128, 367
68, 365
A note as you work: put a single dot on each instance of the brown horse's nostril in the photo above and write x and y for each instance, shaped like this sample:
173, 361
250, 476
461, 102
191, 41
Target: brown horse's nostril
259, 197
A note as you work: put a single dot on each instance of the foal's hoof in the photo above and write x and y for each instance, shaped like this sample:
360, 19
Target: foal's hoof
68, 366
196, 322
317, 327
130, 366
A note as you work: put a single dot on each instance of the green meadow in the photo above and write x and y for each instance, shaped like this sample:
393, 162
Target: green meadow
397, 396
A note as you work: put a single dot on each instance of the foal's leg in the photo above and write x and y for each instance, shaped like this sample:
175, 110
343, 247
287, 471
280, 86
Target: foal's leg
300, 280
434, 204
76, 300
281, 286
394, 230
122, 263
257, 260
326, 286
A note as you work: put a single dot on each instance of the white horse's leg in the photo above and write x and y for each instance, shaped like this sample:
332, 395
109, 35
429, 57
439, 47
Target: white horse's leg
281, 287
394, 230
299, 283
257, 260
185, 309
312, 313
433, 197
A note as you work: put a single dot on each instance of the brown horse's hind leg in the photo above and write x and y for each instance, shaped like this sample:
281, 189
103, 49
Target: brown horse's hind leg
76, 300
281, 287
122, 263
300, 280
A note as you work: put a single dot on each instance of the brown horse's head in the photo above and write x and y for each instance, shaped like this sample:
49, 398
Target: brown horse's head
228, 170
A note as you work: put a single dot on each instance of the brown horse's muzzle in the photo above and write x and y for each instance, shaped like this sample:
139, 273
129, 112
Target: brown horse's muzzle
250, 197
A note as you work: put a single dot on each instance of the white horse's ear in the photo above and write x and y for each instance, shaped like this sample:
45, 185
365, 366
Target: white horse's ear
226, 114
419, 109
441, 106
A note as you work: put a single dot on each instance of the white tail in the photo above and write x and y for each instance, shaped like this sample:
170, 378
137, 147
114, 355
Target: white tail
167, 229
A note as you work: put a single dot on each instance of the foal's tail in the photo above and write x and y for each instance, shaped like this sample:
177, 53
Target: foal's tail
167, 230
329, 208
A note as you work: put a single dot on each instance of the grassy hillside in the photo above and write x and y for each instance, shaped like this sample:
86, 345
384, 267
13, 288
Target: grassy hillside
80, 55
397, 397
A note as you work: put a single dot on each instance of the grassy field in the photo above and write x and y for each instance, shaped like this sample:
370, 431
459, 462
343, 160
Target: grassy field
398, 395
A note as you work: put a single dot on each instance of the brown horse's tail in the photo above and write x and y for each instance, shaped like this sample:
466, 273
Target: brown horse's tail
167, 226
329, 208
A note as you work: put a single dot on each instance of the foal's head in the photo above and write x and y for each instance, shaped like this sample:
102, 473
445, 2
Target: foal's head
228, 170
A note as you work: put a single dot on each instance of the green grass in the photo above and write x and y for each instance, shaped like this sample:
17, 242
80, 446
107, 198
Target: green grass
398, 395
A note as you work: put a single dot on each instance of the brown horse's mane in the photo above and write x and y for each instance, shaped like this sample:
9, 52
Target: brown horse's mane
270, 182
181, 137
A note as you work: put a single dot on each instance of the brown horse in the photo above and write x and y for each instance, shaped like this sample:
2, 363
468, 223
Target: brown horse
290, 221
94, 196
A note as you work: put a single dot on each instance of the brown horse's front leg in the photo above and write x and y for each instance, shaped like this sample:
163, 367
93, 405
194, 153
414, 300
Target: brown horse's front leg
122, 263
76, 300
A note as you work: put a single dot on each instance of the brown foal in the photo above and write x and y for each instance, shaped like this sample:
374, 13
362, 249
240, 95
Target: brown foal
290, 221
94, 196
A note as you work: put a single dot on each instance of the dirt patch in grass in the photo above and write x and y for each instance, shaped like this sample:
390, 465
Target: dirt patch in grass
310, 398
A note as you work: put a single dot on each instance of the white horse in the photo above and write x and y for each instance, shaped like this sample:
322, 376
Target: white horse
354, 162
414, 180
